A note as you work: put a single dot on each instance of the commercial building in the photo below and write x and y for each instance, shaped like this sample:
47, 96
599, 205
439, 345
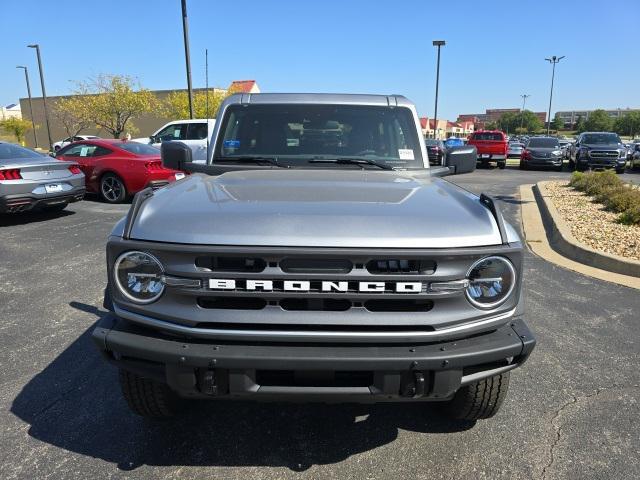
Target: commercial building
571, 117
10, 111
445, 128
145, 124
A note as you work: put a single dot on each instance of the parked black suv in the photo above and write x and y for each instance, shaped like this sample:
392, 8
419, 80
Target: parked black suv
597, 150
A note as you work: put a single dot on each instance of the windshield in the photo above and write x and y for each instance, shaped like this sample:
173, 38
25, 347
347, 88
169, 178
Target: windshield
9, 151
493, 136
544, 143
139, 148
296, 134
600, 138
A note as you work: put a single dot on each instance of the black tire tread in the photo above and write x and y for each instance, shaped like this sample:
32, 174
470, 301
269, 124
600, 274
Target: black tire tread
479, 400
145, 397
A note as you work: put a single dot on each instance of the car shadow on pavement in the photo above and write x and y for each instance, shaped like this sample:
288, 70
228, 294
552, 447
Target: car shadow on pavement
13, 219
75, 404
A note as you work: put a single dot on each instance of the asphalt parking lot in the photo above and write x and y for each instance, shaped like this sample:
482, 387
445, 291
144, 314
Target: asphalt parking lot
573, 410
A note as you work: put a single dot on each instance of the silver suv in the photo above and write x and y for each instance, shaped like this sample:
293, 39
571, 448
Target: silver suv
315, 256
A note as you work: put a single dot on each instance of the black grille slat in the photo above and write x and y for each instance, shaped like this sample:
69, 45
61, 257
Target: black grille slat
401, 266
231, 264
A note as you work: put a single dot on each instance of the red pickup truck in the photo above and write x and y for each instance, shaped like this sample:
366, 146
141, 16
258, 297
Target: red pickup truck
491, 145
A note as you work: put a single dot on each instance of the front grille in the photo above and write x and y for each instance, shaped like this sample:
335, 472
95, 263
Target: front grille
315, 378
231, 264
400, 267
344, 294
603, 154
301, 304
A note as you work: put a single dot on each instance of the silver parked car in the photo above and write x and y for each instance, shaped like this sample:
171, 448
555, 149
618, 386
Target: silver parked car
515, 149
30, 180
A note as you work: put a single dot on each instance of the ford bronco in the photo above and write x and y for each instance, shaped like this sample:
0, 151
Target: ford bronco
315, 257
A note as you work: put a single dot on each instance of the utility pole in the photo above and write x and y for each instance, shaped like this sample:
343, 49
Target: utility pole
524, 100
33, 122
553, 60
44, 93
437, 43
187, 56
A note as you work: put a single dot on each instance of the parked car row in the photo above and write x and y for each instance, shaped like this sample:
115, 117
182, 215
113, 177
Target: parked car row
113, 169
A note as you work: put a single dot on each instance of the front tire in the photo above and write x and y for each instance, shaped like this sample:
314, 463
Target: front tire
479, 400
112, 188
502, 165
148, 398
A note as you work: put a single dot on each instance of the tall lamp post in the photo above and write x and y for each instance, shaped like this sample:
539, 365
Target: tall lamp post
33, 122
524, 100
187, 56
437, 43
553, 60
44, 93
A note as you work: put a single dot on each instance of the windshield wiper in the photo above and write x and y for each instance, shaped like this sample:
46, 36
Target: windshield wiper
257, 159
352, 161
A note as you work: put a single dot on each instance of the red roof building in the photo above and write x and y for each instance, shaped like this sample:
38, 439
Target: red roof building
244, 86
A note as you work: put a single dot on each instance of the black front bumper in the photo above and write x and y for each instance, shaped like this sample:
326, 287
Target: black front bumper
312, 372
24, 202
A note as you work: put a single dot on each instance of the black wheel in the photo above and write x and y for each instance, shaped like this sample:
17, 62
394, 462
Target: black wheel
502, 165
54, 208
523, 166
479, 400
572, 165
559, 168
620, 170
112, 188
146, 397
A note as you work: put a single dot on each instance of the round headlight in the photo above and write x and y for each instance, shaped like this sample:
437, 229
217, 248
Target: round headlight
138, 276
491, 281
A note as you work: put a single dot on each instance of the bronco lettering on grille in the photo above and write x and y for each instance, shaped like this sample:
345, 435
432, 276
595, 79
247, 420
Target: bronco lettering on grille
313, 286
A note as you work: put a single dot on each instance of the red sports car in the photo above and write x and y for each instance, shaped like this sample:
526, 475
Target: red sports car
116, 169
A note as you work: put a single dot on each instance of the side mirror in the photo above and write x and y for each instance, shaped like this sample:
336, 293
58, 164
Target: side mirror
441, 171
176, 155
462, 159
153, 139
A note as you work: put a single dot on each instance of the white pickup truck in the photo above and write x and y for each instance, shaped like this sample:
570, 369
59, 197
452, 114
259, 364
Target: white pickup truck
193, 133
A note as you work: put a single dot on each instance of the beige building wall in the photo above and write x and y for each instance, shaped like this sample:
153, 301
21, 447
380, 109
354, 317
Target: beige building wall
146, 124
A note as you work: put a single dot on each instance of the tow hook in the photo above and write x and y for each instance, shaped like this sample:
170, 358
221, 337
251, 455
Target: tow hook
419, 384
207, 382
415, 388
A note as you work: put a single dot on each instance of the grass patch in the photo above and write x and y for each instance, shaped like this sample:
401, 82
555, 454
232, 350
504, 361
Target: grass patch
607, 188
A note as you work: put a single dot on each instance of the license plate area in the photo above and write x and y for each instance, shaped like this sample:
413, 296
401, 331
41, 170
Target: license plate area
53, 187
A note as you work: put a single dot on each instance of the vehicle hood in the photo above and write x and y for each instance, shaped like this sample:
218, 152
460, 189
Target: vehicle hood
600, 146
317, 208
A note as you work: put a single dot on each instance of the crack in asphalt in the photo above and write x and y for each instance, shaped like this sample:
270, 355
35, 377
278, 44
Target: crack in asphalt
558, 428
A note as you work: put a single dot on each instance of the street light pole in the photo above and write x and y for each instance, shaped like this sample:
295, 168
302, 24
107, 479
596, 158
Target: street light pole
187, 56
44, 93
553, 60
33, 122
524, 100
437, 43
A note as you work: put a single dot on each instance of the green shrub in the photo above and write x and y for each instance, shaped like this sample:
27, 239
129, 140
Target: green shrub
630, 216
608, 189
622, 199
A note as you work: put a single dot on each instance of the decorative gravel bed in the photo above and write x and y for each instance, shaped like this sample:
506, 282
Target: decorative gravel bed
592, 225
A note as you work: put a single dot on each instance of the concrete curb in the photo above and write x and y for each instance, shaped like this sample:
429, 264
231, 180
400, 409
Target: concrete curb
536, 239
563, 241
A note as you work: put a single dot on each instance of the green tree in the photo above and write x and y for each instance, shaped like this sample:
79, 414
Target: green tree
628, 124
521, 122
73, 114
579, 126
16, 127
491, 126
113, 101
558, 123
176, 105
598, 121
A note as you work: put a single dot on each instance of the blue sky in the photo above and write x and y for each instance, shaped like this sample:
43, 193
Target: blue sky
495, 49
